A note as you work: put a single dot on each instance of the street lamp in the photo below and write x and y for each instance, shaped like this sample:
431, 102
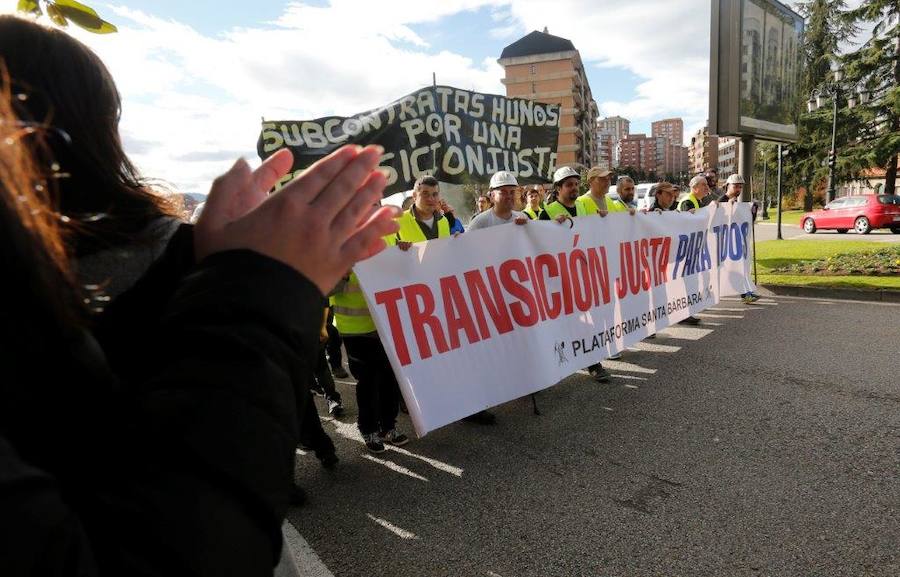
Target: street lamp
817, 99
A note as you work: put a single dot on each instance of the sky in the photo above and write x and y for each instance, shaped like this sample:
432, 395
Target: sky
197, 77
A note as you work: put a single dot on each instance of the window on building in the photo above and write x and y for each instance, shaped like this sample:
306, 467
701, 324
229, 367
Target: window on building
533, 69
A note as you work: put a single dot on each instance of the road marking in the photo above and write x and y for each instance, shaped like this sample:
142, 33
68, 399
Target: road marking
349, 431
395, 467
654, 347
402, 533
727, 310
628, 377
825, 303
306, 562
685, 333
713, 316
631, 386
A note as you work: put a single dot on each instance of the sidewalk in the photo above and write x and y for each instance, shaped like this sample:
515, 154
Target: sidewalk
832, 293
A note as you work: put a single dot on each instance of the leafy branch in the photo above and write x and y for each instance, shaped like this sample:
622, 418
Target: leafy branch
61, 12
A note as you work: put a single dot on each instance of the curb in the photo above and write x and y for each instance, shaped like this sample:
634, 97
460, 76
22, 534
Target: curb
872, 295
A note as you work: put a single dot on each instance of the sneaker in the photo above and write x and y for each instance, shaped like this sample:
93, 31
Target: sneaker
600, 374
481, 418
749, 298
335, 408
615, 357
393, 437
338, 372
690, 321
373, 443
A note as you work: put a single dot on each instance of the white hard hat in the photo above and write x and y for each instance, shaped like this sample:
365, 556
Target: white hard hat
735, 179
503, 178
564, 173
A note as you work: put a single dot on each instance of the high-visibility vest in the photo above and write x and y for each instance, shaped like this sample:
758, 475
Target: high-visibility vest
692, 199
533, 214
612, 204
410, 231
351, 315
557, 208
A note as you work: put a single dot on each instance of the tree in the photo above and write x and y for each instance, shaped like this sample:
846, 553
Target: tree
61, 12
826, 28
875, 68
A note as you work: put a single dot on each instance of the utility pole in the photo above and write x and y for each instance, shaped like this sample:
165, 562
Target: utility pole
779, 192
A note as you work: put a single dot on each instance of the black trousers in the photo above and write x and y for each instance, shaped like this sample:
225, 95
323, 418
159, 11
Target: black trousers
334, 341
377, 392
322, 376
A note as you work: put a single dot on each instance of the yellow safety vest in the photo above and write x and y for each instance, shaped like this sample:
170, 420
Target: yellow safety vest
693, 200
410, 231
533, 214
557, 208
351, 315
612, 204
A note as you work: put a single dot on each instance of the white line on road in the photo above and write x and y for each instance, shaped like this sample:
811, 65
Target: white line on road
727, 310
628, 377
655, 348
714, 316
402, 533
306, 562
349, 431
685, 333
631, 386
395, 467
627, 367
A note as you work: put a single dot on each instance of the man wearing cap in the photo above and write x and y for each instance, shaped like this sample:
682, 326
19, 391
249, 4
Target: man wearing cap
734, 186
595, 200
699, 191
663, 194
504, 187
565, 190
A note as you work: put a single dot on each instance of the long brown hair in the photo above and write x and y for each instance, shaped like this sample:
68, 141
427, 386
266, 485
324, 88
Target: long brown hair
64, 84
37, 295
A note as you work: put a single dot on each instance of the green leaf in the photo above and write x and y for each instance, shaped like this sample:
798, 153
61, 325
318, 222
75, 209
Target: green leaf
84, 16
29, 7
56, 16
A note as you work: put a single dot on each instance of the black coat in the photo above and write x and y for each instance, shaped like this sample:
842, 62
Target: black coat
183, 464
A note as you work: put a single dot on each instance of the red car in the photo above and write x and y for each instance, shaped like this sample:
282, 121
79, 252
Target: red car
861, 213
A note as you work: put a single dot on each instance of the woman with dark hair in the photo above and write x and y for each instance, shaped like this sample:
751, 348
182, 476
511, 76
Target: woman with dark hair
185, 468
65, 85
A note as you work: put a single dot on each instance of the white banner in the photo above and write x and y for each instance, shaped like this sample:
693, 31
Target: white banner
495, 314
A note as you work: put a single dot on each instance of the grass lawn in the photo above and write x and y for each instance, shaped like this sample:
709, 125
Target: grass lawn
775, 253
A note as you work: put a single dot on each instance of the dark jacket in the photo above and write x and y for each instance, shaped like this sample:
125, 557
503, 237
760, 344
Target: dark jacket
184, 464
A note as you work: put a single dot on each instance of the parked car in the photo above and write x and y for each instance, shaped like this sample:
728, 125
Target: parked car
861, 213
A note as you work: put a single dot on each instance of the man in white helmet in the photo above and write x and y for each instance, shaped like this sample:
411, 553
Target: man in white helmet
733, 188
504, 187
565, 190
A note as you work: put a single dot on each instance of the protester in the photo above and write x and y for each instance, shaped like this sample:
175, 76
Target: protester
712, 179
664, 194
625, 190
424, 219
734, 186
534, 197
595, 200
482, 203
457, 226
202, 444
377, 391
563, 202
503, 188
699, 191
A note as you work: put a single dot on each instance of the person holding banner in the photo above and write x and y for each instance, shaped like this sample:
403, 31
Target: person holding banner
595, 200
734, 186
663, 195
625, 190
565, 203
699, 192
503, 188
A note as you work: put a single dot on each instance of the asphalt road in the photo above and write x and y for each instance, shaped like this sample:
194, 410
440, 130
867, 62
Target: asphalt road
768, 230
764, 442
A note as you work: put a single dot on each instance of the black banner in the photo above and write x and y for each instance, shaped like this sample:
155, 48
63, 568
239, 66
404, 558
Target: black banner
455, 135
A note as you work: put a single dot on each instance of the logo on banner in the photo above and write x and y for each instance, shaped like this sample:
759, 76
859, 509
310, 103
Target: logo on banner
560, 349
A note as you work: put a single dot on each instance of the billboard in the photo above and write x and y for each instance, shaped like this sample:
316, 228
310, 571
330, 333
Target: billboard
755, 62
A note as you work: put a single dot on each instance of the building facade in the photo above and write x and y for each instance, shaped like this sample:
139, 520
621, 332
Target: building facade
639, 151
671, 128
727, 163
547, 68
703, 152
